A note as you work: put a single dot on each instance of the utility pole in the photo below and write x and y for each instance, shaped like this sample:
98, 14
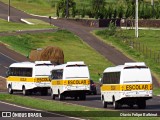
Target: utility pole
67, 9
152, 2
136, 20
9, 11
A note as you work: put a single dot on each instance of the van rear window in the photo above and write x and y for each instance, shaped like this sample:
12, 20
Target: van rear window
139, 67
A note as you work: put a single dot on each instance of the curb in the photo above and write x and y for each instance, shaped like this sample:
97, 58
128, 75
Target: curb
43, 16
25, 21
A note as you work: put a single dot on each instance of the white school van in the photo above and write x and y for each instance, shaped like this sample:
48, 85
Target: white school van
70, 80
29, 77
128, 84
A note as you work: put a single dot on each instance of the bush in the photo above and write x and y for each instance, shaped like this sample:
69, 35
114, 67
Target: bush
112, 29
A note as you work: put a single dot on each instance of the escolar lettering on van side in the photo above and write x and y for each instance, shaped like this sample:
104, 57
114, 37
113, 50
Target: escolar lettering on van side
42, 80
77, 82
137, 87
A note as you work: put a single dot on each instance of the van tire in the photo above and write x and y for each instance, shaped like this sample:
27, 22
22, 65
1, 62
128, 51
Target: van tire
104, 103
95, 92
116, 104
142, 104
25, 92
52, 95
60, 96
82, 96
44, 91
10, 91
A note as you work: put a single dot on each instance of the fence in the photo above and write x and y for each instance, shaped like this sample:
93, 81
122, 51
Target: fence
147, 52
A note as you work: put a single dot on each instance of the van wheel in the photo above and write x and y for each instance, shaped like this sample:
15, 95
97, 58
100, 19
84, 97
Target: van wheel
95, 92
10, 91
82, 96
60, 96
116, 104
131, 105
52, 95
104, 103
25, 92
142, 104
75, 98
44, 91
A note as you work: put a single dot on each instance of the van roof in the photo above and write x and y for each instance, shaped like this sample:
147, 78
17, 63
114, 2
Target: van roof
121, 67
69, 63
28, 64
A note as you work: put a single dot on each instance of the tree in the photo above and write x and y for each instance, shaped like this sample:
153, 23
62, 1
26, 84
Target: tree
120, 14
157, 12
115, 13
97, 6
128, 11
110, 12
62, 7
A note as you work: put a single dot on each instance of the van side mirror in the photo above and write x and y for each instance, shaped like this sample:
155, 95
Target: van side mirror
50, 78
100, 82
7, 74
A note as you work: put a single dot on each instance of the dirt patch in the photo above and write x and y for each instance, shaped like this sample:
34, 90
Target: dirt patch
3, 84
50, 53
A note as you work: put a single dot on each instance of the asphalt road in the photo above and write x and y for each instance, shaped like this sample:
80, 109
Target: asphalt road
10, 111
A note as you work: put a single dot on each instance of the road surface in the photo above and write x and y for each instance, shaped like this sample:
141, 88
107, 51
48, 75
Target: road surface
15, 112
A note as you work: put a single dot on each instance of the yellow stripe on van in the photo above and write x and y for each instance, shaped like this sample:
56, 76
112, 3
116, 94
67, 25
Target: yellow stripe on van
70, 82
27, 79
128, 87
137, 87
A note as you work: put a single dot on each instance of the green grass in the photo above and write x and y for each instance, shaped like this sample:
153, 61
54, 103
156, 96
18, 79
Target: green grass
11, 26
156, 91
62, 108
147, 37
39, 7
74, 48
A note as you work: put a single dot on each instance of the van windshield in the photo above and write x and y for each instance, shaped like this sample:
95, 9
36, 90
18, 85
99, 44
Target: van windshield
136, 75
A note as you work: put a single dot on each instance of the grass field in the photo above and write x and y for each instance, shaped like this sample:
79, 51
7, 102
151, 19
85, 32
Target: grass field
68, 109
11, 26
147, 37
74, 49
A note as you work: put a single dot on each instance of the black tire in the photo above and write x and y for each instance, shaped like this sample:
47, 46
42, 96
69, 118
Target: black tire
52, 95
25, 92
95, 92
82, 96
104, 103
10, 91
142, 104
131, 106
116, 104
60, 96
75, 98
44, 92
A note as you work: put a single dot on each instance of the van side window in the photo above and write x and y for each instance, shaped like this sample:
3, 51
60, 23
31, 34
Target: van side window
57, 74
111, 78
26, 72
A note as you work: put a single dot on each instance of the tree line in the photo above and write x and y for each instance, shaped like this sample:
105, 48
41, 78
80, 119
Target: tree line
99, 9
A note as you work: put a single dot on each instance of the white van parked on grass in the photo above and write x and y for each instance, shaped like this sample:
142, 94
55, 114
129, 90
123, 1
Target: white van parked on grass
129, 84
